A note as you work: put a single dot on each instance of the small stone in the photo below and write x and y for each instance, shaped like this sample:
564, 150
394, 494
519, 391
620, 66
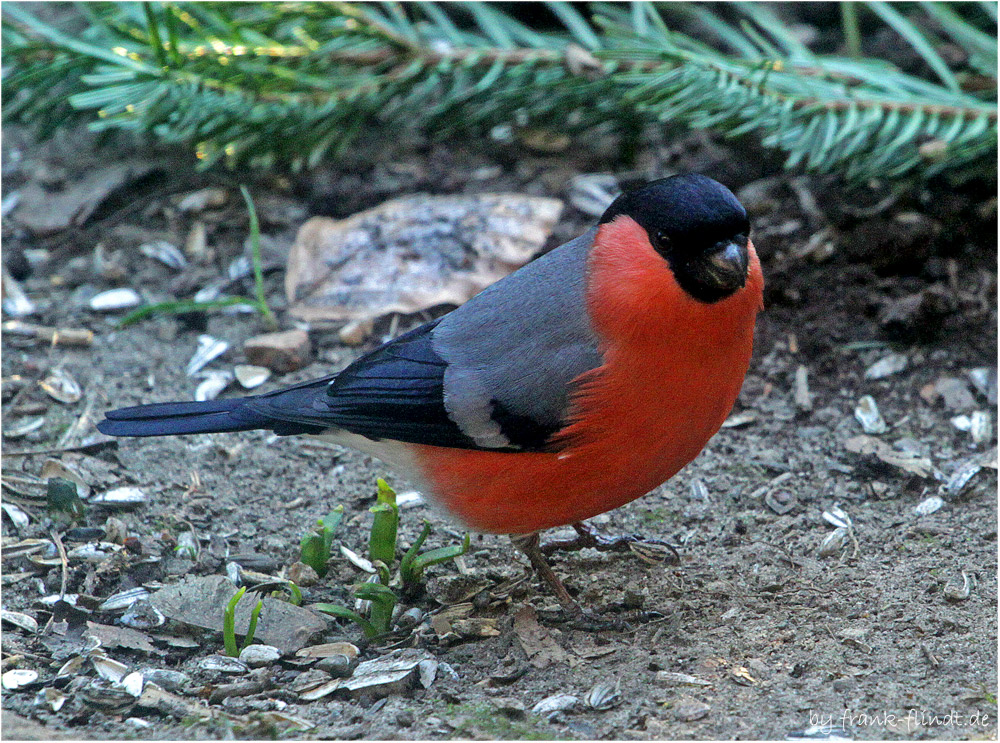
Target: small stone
690, 710
512, 709
355, 333
338, 666
955, 393
302, 575
405, 719
256, 656
280, 352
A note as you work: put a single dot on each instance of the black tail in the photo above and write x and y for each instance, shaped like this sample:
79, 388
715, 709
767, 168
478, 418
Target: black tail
167, 418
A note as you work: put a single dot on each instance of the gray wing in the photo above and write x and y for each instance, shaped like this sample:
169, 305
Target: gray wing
513, 350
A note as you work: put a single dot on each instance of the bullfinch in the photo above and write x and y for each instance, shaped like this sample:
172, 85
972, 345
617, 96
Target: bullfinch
576, 384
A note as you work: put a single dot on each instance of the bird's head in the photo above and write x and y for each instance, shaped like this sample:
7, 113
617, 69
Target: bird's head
697, 226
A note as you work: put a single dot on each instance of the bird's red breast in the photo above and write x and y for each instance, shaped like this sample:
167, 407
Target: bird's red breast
672, 369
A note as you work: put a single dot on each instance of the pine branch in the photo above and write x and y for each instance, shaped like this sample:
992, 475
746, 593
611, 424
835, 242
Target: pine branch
293, 84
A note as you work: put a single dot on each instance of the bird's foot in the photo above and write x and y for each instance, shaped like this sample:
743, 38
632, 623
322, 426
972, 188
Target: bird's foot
572, 615
586, 536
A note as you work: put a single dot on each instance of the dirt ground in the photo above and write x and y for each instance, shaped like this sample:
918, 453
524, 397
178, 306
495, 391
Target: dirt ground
777, 636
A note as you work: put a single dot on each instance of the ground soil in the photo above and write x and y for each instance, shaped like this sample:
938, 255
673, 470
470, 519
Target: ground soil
783, 638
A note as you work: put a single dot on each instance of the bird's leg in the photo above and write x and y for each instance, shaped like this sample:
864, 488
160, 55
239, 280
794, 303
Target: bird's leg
528, 544
587, 536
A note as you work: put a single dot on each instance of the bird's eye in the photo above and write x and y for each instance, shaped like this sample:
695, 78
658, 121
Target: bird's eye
661, 240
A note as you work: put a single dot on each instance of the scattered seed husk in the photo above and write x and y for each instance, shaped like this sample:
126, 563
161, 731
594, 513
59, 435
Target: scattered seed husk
196, 243
427, 671
212, 385
223, 664
604, 696
887, 366
115, 299
669, 678
309, 680
94, 552
328, 649
357, 560
555, 703
781, 501
166, 253
21, 427
126, 497
984, 379
53, 698
168, 679
142, 615
868, 415
250, 376
15, 302
52, 336
108, 668
209, 348
133, 683
19, 620
104, 697
62, 387
71, 667
928, 506
740, 419
124, 599
28, 547
409, 499
18, 517
838, 518
958, 593
962, 475
981, 426
202, 199
803, 398
865, 445
962, 423
834, 542
18, 678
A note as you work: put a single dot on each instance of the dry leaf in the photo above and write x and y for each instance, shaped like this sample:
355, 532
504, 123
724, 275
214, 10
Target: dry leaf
413, 253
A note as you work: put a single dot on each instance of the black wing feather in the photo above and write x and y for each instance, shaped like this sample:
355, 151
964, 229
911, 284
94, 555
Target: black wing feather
395, 392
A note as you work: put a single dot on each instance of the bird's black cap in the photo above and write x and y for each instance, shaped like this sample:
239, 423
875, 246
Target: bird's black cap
691, 221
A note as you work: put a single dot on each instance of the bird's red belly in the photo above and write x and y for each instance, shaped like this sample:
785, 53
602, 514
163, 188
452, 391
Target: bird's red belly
631, 445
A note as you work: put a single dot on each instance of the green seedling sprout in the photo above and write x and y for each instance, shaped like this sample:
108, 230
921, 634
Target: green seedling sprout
385, 525
316, 545
229, 624
379, 593
257, 302
413, 565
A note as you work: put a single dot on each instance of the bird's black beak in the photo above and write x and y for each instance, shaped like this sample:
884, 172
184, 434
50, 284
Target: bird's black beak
723, 267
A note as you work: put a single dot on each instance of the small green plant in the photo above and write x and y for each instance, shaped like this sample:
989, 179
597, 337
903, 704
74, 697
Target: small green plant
316, 545
383, 590
229, 624
258, 302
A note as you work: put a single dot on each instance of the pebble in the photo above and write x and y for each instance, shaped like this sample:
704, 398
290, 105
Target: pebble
690, 710
256, 656
280, 352
338, 666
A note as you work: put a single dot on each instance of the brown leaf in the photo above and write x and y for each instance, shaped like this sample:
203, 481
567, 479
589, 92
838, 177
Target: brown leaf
413, 253
536, 641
